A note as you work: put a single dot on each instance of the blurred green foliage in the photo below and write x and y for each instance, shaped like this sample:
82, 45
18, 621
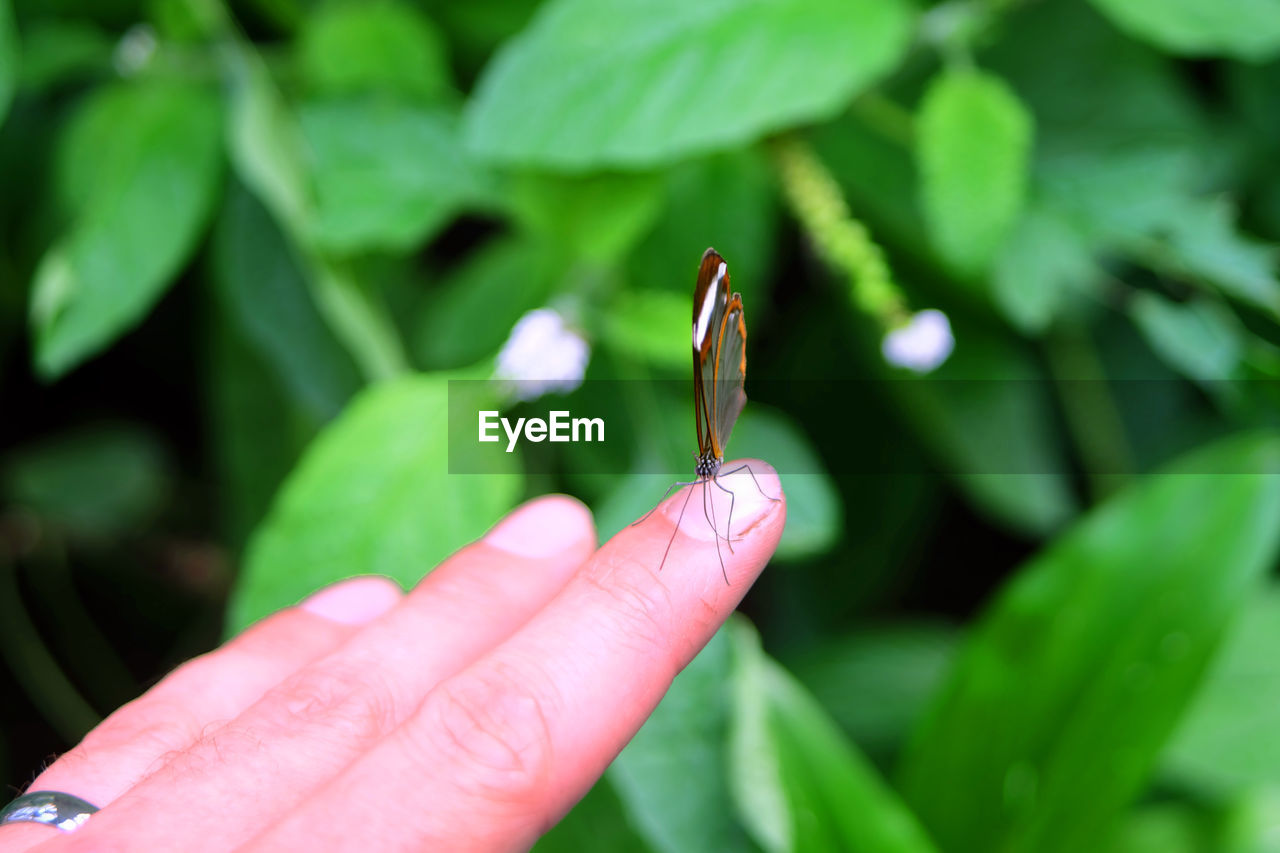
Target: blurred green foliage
1026, 602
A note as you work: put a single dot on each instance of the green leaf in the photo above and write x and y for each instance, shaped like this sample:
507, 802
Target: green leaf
631, 84
597, 822
478, 27
149, 187
876, 682
101, 481
1161, 828
183, 23
1245, 29
372, 495
814, 513
266, 147
594, 217
988, 416
386, 47
878, 176
58, 52
1250, 91
798, 783
1110, 167
649, 325
386, 175
265, 296
355, 310
1116, 191
8, 58
258, 430
1042, 264
469, 315
1200, 339
1085, 662
673, 776
1128, 172
285, 15
973, 144
265, 143
740, 225
1227, 743
1199, 238
1249, 825
765, 804
1146, 92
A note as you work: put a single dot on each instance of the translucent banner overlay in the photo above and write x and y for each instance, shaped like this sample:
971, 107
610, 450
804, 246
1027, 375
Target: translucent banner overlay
856, 427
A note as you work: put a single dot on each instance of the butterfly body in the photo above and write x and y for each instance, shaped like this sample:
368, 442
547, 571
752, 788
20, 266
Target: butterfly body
719, 361
719, 370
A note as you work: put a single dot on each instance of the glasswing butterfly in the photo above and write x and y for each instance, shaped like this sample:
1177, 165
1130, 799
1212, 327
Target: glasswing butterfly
719, 369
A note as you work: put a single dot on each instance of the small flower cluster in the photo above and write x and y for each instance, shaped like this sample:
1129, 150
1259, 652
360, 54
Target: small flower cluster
918, 342
542, 354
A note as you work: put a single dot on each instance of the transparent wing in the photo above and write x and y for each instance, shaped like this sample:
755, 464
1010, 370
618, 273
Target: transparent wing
730, 360
710, 299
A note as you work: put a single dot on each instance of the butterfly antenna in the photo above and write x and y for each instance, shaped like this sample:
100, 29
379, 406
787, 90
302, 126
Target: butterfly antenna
683, 507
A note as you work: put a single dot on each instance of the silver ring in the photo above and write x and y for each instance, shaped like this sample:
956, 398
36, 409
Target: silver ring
53, 808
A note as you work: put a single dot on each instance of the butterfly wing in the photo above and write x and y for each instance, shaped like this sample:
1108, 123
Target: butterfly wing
730, 372
706, 298
719, 356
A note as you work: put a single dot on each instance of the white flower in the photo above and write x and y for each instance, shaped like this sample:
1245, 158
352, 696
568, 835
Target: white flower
542, 354
922, 344
134, 50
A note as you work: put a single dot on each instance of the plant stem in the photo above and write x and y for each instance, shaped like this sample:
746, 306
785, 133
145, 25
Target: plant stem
1092, 418
35, 667
267, 151
842, 240
886, 117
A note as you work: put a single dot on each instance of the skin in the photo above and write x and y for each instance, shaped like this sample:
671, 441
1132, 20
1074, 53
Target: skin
468, 714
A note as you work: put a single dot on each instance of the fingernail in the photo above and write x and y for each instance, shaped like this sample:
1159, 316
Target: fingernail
542, 527
733, 491
355, 601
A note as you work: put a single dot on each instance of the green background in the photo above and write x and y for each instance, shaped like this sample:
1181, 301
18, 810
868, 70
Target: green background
1025, 602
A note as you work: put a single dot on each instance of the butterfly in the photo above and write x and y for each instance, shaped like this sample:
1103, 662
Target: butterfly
719, 370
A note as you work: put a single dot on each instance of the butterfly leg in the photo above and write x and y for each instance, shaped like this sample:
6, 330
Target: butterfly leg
728, 527
709, 512
683, 507
747, 468
711, 519
665, 495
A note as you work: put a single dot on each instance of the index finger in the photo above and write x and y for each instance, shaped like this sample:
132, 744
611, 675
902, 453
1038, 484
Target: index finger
497, 753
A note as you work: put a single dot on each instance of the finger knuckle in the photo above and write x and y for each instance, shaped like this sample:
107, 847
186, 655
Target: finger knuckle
152, 728
351, 699
494, 723
640, 609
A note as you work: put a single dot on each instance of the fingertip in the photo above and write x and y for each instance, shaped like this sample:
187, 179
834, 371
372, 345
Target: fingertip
749, 488
544, 527
354, 601
763, 480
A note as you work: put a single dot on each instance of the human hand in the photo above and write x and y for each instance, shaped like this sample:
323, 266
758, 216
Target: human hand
470, 713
